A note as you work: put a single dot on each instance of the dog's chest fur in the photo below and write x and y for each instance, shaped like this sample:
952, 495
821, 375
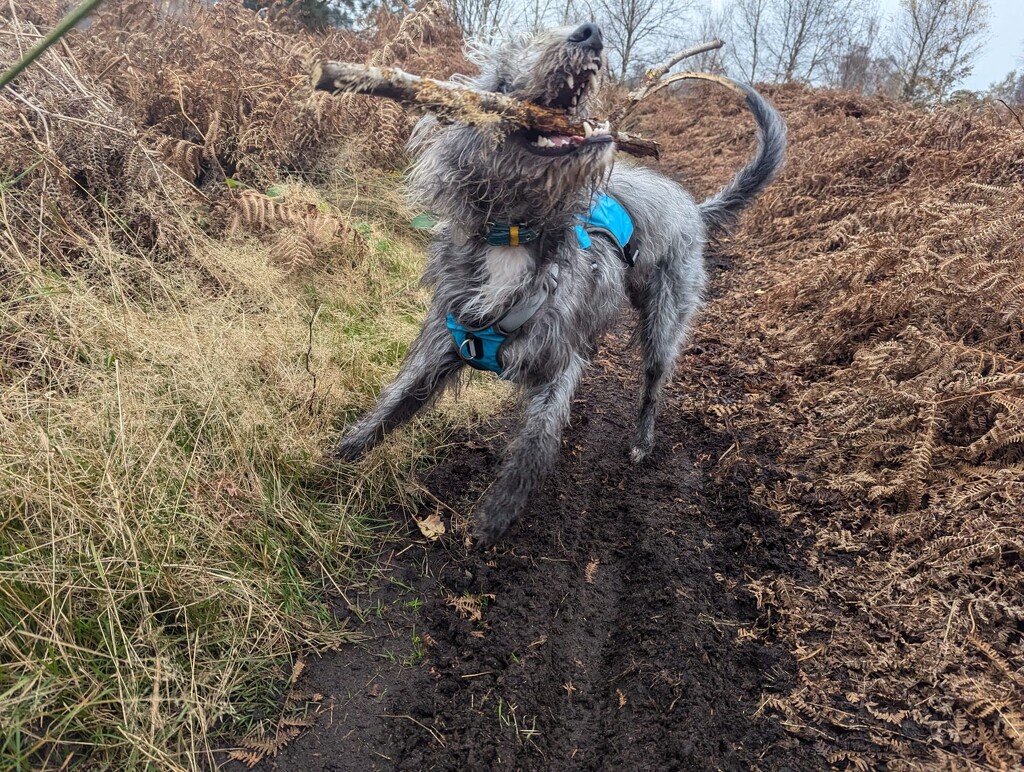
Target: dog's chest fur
509, 269
588, 296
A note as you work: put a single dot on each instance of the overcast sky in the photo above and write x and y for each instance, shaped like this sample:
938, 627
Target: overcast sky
1002, 52
1004, 48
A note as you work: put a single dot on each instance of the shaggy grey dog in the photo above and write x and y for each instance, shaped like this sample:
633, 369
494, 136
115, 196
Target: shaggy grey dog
473, 180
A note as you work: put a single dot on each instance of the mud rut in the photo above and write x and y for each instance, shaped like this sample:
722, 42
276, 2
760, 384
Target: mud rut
611, 620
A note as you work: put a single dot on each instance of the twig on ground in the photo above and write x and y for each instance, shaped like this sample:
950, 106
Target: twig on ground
1013, 112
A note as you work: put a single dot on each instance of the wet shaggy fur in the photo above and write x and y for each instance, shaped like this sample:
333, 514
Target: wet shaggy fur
470, 178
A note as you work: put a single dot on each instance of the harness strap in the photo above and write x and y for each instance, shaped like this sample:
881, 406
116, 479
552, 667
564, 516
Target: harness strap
627, 252
505, 234
524, 310
481, 347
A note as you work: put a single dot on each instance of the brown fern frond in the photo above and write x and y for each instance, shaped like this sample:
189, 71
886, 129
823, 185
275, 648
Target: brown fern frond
247, 757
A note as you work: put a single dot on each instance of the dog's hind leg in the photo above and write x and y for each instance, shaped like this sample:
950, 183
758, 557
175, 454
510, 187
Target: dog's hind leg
529, 456
665, 316
431, 365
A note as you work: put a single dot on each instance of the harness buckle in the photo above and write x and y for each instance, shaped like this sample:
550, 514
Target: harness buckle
470, 348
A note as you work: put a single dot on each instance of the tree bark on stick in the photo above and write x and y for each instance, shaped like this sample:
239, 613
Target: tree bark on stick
454, 102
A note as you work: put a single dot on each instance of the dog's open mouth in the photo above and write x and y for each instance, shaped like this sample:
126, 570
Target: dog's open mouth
562, 144
574, 88
568, 96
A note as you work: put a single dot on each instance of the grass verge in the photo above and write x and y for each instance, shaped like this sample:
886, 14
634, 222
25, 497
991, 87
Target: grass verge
168, 532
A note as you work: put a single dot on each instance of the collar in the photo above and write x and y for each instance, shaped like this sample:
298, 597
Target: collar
509, 235
606, 216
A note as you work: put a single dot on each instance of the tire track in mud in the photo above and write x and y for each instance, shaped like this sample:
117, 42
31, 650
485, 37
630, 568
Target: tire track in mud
612, 620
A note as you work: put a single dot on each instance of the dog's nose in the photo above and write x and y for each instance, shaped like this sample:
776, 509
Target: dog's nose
588, 35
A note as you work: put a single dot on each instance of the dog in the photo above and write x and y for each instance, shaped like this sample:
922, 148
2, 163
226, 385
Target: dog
528, 274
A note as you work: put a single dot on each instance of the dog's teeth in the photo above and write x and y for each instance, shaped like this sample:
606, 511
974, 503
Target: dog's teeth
593, 80
569, 80
588, 130
574, 101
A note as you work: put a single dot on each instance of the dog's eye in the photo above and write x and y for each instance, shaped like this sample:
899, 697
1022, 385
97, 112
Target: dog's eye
502, 86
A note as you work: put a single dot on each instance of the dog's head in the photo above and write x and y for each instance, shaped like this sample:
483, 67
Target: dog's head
475, 174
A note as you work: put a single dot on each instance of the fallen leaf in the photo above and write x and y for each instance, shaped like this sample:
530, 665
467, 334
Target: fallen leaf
432, 527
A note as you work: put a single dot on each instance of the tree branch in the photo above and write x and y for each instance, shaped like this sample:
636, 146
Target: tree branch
656, 73
653, 75
454, 102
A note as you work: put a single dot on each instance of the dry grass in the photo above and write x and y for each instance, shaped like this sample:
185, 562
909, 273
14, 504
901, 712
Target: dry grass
169, 532
184, 321
874, 337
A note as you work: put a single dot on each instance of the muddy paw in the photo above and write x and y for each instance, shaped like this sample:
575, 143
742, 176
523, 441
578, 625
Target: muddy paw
638, 454
488, 533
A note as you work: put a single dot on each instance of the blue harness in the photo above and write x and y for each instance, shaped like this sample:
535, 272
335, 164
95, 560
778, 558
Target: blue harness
481, 348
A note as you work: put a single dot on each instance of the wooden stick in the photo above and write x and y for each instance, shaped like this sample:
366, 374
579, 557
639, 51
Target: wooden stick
454, 102
656, 73
721, 80
653, 75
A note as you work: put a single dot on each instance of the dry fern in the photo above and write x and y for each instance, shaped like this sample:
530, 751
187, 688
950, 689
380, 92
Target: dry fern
874, 318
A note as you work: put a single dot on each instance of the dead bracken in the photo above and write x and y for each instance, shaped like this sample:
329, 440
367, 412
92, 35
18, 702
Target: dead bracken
873, 316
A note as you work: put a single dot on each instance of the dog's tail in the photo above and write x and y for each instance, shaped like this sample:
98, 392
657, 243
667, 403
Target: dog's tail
722, 210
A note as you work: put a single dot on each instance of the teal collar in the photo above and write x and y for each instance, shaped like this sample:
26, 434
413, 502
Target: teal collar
606, 217
508, 235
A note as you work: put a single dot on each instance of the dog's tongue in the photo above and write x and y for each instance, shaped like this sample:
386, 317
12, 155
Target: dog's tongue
564, 140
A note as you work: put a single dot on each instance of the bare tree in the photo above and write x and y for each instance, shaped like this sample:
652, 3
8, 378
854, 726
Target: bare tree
856, 63
1010, 89
802, 40
934, 44
480, 17
747, 25
803, 36
712, 24
641, 30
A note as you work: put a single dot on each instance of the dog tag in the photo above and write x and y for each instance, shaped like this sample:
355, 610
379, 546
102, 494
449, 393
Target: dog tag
459, 236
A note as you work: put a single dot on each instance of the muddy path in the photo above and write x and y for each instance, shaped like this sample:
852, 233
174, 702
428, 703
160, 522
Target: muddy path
609, 631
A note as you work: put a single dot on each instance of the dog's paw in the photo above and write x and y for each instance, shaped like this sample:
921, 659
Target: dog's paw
487, 533
638, 454
350, 449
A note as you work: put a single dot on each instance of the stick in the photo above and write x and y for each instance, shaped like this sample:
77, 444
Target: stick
84, 9
454, 102
650, 83
656, 73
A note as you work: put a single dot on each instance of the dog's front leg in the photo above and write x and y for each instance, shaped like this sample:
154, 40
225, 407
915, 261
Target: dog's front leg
431, 365
530, 455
